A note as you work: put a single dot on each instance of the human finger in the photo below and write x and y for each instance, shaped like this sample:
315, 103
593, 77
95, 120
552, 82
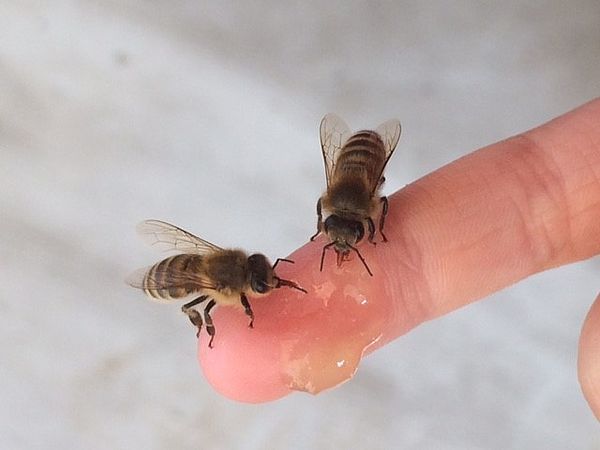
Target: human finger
479, 224
589, 358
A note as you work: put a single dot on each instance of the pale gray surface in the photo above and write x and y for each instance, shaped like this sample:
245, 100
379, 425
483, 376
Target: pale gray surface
206, 116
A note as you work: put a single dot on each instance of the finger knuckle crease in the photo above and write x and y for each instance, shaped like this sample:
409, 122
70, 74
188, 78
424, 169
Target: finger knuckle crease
541, 202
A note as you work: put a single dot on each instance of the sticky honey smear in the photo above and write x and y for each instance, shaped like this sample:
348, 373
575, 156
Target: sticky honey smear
329, 345
323, 369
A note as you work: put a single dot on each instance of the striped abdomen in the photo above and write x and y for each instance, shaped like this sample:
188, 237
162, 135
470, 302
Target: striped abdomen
363, 156
174, 277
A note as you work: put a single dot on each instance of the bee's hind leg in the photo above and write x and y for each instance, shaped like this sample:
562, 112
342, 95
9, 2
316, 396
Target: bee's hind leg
247, 309
194, 315
384, 211
210, 328
319, 221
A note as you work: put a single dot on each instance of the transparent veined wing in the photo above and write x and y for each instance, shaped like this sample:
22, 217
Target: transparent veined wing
333, 133
390, 135
158, 279
169, 237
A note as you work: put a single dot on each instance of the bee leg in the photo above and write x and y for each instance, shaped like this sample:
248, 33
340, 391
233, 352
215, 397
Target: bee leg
371, 230
384, 211
288, 283
210, 328
247, 309
319, 221
196, 320
194, 315
325, 247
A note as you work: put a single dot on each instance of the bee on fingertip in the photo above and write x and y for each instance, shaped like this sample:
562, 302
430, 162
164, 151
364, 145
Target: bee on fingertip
354, 165
208, 274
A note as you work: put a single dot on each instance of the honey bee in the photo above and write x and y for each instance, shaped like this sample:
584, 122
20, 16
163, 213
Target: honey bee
354, 164
206, 272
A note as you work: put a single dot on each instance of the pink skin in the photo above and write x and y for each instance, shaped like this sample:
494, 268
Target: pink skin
479, 224
589, 358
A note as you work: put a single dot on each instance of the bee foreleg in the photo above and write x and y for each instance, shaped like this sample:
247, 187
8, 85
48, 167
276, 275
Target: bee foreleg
288, 283
325, 247
247, 309
210, 328
194, 315
384, 211
319, 221
371, 226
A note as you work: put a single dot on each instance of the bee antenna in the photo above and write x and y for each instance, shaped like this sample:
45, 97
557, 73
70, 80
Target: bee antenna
325, 247
362, 259
278, 260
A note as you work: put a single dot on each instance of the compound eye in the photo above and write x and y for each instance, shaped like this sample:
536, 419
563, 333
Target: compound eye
258, 285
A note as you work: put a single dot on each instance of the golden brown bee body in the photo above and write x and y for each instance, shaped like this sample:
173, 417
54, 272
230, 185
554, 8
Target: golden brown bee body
204, 272
354, 164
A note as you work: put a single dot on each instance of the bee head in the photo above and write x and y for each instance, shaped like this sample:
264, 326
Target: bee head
261, 273
344, 232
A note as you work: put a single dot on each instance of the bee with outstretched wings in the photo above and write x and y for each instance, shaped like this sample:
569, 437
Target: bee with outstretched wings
204, 271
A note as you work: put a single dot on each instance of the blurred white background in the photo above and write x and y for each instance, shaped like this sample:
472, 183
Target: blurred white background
206, 115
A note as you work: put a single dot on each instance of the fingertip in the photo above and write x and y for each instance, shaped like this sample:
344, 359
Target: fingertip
306, 342
242, 365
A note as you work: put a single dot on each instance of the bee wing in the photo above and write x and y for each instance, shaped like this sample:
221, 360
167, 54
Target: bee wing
169, 237
390, 135
166, 279
333, 133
